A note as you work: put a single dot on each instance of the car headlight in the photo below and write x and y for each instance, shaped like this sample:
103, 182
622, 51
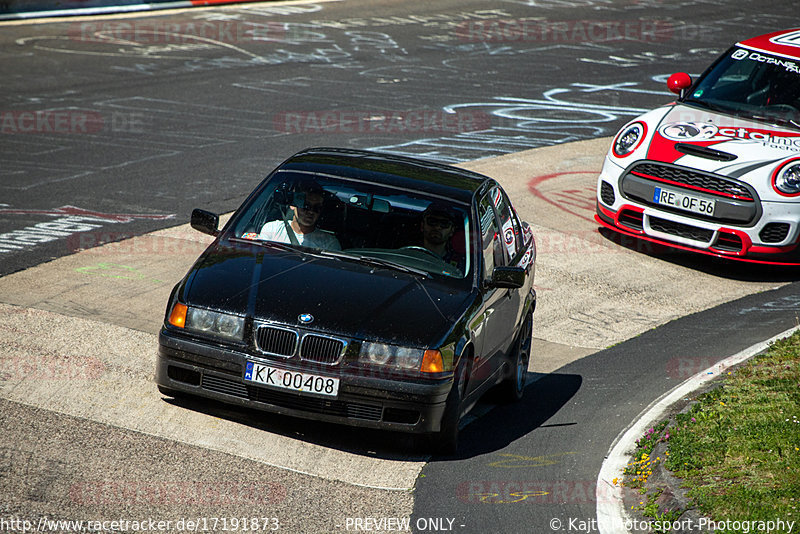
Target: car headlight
629, 139
787, 179
207, 321
391, 355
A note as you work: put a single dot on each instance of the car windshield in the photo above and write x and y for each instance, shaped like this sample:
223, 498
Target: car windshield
752, 84
360, 221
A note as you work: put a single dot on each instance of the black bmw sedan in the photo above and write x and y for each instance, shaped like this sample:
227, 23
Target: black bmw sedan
357, 288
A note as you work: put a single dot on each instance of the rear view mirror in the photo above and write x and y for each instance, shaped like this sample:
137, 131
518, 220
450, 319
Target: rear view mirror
508, 277
679, 82
205, 221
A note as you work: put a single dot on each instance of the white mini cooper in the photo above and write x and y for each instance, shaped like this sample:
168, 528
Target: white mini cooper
718, 170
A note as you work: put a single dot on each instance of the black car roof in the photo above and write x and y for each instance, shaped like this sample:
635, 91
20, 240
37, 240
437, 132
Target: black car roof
399, 171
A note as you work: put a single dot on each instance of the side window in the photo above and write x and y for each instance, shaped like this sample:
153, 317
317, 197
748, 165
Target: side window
510, 229
491, 241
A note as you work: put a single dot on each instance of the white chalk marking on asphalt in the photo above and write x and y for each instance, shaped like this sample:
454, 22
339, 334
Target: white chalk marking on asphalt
611, 513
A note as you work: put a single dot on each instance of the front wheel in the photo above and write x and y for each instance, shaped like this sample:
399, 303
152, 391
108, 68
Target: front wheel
514, 385
445, 441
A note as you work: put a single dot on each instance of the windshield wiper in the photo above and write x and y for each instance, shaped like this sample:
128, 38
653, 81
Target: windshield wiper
776, 120
266, 243
707, 105
377, 262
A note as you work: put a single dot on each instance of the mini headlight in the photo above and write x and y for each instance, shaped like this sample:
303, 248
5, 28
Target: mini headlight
628, 139
215, 323
787, 179
391, 355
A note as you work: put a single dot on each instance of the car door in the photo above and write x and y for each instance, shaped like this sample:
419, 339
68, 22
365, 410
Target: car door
493, 326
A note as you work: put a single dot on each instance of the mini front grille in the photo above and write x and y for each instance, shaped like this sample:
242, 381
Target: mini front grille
279, 341
681, 230
321, 349
774, 232
631, 219
693, 179
607, 193
729, 242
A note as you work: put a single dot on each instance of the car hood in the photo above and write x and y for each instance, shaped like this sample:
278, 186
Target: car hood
344, 297
746, 146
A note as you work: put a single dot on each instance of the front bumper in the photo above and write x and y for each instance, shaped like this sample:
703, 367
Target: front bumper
205, 370
768, 231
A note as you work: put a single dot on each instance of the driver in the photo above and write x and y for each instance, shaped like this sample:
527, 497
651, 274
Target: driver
438, 226
301, 228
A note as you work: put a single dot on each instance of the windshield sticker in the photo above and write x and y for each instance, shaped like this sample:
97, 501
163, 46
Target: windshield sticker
705, 131
788, 65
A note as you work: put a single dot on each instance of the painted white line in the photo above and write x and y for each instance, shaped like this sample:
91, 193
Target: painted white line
611, 514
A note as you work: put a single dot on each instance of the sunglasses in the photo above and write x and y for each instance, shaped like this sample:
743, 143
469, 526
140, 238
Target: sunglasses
313, 208
438, 223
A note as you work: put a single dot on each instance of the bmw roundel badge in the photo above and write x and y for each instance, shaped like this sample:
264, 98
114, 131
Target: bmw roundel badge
305, 318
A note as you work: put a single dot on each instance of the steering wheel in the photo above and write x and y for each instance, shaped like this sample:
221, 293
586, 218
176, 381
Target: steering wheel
421, 249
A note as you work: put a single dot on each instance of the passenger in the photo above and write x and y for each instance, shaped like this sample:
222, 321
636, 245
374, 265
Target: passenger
302, 229
438, 226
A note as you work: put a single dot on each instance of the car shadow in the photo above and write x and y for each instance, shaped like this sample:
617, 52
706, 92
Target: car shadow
724, 268
545, 395
497, 425
355, 440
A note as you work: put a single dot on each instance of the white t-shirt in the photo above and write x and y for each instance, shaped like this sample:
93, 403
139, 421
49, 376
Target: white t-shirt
276, 231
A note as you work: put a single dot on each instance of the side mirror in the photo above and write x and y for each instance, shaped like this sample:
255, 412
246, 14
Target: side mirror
205, 221
507, 277
679, 82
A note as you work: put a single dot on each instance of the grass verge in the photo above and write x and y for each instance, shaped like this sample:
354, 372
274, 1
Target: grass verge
736, 450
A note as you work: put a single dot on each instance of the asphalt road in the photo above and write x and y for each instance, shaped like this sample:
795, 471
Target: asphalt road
115, 127
151, 116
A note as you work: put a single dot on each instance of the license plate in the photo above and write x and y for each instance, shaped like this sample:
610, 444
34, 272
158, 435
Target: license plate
683, 201
291, 380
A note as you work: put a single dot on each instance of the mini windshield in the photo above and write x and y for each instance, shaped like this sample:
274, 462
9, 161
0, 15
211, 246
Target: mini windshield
752, 84
360, 221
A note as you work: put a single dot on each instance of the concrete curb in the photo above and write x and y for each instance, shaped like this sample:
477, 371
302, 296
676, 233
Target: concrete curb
611, 515
28, 9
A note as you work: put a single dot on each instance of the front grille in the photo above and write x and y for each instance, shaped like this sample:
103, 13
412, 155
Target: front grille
730, 242
321, 349
631, 219
607, 193
353, 410
681, 230
224, 385
693, 179
774, 232
279, 341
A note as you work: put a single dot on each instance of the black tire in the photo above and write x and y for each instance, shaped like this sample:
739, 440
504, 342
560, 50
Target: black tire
513, 387
445, 441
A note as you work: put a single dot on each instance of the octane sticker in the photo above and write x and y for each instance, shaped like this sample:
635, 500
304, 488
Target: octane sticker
705, 131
